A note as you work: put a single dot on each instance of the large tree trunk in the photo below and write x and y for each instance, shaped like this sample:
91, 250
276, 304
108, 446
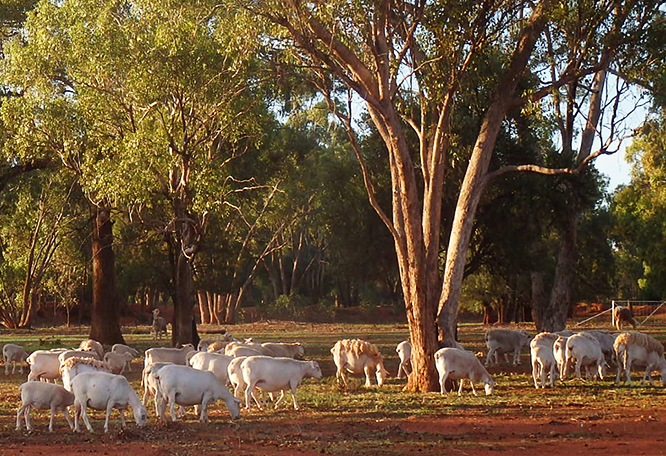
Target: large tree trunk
105, 320
539, 299
203, 308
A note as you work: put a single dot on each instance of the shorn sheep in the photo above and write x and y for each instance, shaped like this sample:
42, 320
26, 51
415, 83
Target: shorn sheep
457, 364
104, 391
504, 341
404, 350
91, 345
623, 315
543, 358
358, 357
12, 353
43, 396
585, 350
159, 325
638, 349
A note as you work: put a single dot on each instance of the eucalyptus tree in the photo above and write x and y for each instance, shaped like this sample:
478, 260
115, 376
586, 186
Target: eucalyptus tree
409, 61
162, 102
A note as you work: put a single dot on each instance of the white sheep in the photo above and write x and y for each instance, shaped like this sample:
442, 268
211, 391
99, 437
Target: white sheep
585, 351
168, 355
285, 350
404, 350
44, 365
65, 355
43, 396
457, 364
116, 362
358, 357
104, 391
216, 363
247, 348
276, 374
638, 349
606, 341
159, 325
15, 354
504, 341
121, 349
72, 367
185, 386
223, 340
560, 354
235, 376
543, 358
91, 345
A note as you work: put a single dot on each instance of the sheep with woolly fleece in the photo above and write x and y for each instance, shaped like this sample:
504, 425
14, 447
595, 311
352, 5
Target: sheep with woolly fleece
457, 364
117, 362
91, 345
358, 357
72, 367
543, 358
122, 349
638, 349
276, 374
159, 325
284, 349
216, 363
217, 346
504, 341
12, 353
585, 350
183, 385
43, 396
223, 339
65, 355
44, 365
622, 315
105, 391
404, 350
560, 355
168, 355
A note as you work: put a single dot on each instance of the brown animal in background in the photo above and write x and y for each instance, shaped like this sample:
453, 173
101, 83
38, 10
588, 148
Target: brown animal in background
159, 325
622, 315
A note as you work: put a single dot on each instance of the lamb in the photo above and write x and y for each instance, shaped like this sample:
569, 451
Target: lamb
117, 362
276, 374
104, 391
586, 351
184, 385
43, 396
216, 363
285, 350
622, 315
121, 349
357, 357
404, 350
15, 354
44, 365
168, 355
159, 325
634, 348
504, 341
543, 358
458, 364
72, 367
91, 345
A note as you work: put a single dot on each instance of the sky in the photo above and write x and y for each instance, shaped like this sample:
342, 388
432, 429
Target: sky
615, 167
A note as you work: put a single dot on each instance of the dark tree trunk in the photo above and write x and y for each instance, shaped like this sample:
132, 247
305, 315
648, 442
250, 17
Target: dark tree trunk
104, 318
184, 324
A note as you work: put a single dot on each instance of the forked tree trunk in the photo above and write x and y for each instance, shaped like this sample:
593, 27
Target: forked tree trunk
105, 315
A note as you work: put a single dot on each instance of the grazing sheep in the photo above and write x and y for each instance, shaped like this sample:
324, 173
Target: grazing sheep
285, 350
104, 391
276, 374
91, 345
239, 350
216, 363
606, 341
65, 355
44, 365
543, 358
404, 350
121, 349
560, 354
357, 357
457, 364
15, 354
223, 340
622, 315
43, 396
185, 386
72, 367
585, 351
217, 346
117, 362
638, 349
159, 325
504, 341
168, 355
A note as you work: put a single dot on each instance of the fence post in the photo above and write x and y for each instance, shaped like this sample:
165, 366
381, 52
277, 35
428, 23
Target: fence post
613, 313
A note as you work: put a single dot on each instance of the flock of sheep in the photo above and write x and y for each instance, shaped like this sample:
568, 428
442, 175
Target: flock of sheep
181, 377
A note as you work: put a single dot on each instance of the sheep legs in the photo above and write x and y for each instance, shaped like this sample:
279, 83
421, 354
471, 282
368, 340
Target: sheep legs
25, 411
